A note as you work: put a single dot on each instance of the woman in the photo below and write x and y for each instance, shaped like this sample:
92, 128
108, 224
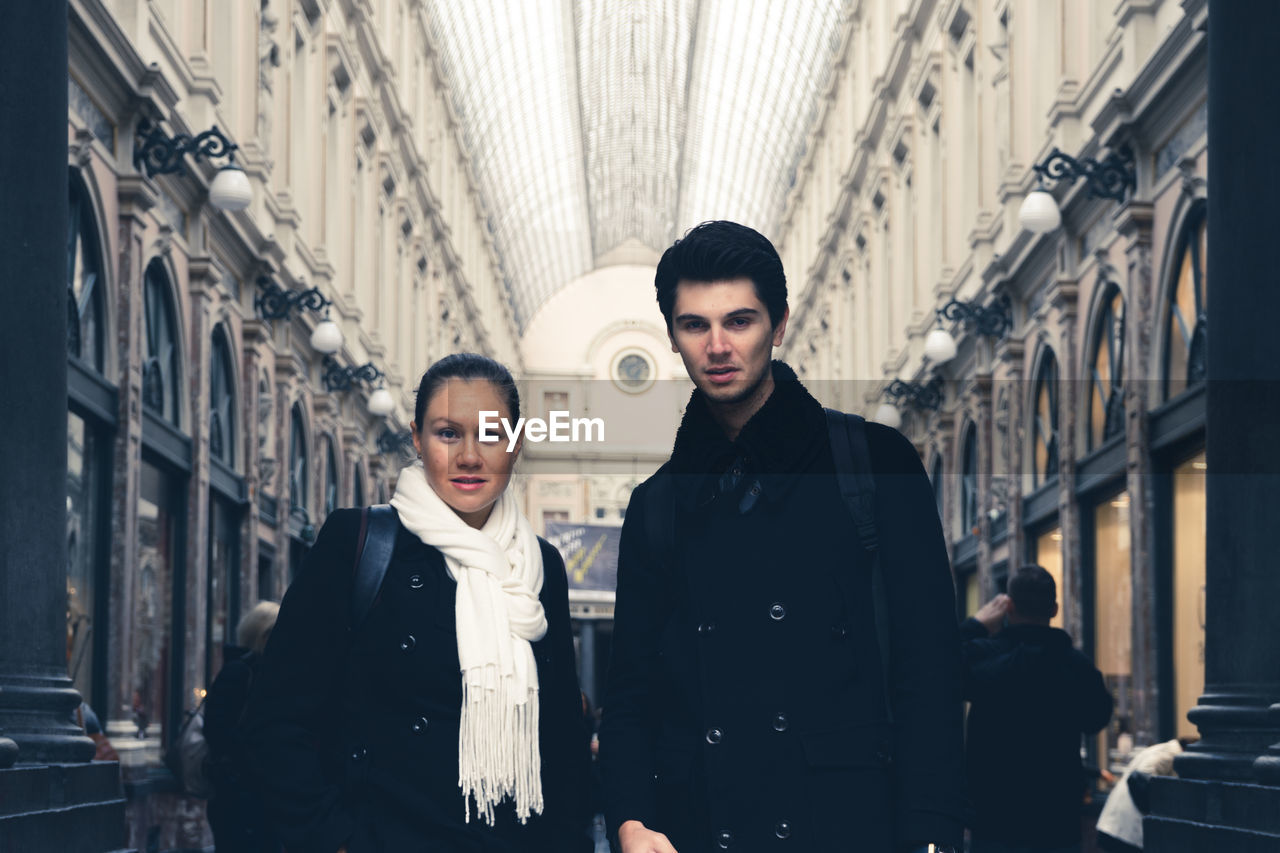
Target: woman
235, 810
449, 719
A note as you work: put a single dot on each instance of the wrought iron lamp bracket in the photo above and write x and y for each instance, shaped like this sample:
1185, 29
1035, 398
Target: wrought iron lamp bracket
339, 378
1111, 177
991, 320
915, 394
274, 302
160, 154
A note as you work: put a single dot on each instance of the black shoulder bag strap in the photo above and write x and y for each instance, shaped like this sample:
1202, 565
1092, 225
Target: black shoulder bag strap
660, 519
373, 555
852, 460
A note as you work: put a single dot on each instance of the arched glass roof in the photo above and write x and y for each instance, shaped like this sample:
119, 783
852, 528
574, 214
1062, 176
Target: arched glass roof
592, 123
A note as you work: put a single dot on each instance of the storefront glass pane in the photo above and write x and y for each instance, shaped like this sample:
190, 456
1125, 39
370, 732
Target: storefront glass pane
224, 562
151, 640
1188, 589
82, 549
1113, 626
1049, 557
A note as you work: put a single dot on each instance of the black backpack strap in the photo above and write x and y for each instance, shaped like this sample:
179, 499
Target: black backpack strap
660, 519
852, 457
373, 554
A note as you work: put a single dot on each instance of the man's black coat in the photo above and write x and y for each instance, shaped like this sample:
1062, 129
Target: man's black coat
354, 735
1033, 694
745, 705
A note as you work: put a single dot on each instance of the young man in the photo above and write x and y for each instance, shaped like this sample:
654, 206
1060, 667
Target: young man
746, 706
1033, 695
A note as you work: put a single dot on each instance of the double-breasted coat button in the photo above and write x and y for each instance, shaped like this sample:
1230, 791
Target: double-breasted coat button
419, 726
359, 753
706, 628
755, 488
782, 829
780, 722
415, 581
724, 838
407, 644
839, 631
714, 736
777, 612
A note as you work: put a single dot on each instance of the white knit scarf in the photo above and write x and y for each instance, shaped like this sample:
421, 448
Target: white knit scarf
498, 569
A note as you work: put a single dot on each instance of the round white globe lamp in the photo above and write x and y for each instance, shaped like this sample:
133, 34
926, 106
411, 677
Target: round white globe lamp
888, 415
939, 346
327, 337
1039, 212
230, 189
381, 403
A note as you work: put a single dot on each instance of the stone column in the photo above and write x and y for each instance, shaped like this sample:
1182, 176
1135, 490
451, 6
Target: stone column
1213, 806
1242, 634
1063, 297
1133, 221
36, 696
53, 799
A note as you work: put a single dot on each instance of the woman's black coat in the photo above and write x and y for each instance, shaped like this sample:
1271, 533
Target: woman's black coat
745, 704
355, 733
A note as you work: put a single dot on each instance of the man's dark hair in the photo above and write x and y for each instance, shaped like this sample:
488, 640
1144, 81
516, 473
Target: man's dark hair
1034, 592
718, 251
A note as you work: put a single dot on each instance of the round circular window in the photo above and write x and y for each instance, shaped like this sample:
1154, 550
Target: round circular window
633, 371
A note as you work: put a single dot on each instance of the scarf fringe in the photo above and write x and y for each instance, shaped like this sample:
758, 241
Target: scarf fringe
494, 761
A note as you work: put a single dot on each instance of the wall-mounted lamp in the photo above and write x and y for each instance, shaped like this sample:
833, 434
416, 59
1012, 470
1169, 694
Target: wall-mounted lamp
159, 154
914, 394
339, 378
990, 320
395, 441
273, 302
1111, 177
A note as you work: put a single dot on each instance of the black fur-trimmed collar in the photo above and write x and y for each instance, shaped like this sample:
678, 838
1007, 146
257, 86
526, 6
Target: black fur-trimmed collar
780, 439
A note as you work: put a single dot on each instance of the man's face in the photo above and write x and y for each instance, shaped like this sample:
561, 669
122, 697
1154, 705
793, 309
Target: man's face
721, 330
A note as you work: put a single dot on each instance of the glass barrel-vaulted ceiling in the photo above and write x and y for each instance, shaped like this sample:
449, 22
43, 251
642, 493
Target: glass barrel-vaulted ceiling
592, 123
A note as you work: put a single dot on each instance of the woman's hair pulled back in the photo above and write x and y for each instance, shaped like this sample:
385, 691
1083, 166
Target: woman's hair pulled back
468, 366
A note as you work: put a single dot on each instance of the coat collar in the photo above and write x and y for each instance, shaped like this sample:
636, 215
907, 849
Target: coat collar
779, 442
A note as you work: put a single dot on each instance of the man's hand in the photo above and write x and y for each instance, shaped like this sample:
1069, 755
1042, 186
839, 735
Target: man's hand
634, 838
992, 614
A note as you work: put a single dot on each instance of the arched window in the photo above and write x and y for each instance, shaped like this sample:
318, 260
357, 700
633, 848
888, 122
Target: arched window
160, 379
935, 477
222, 401
357, 487
299, 464
1106, 376
1185, 346
86, 311
969, 482
1045, 434
330, 478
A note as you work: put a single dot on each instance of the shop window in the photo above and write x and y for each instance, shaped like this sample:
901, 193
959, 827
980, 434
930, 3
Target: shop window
155, 703
223, 595
1106, 377
935, 477
969, 483
86, 470
1188, 589
222, 401
1113, 626
1185, 348
1045, 432
299, 464
86, 312
330, 478
1048, 556
160, 378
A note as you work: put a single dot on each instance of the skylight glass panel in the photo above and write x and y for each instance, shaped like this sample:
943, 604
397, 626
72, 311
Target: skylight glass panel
758, 71
505, 61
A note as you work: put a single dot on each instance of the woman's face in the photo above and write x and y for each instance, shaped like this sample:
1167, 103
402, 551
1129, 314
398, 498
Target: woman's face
468, 474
